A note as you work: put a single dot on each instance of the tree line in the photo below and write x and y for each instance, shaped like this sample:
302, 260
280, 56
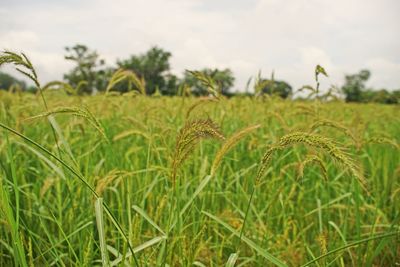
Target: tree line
90, 75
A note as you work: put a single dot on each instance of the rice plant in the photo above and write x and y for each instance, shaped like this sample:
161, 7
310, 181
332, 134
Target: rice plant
182, 181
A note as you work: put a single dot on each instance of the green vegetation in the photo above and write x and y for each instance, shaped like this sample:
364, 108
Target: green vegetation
136, 180
355, 90
8, 81
87, 75
152, 69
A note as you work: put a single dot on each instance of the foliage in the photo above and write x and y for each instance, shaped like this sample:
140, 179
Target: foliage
7, 81
132, 80
381, 96
355, 90
354, 86
152, 75
87, 68
271, 87
131, 172
279, 88
71, 199
153, 66
143, 219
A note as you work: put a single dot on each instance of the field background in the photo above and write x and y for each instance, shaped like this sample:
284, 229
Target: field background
48, 215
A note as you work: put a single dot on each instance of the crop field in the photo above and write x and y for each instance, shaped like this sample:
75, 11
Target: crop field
133, 180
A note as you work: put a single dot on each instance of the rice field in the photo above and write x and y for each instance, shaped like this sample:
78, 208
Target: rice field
187, 182
135, 180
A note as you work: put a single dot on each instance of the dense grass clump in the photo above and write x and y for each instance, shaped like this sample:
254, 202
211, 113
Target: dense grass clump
168, 181
309, 201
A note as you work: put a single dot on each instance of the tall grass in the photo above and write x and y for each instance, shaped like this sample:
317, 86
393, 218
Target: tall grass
135, 180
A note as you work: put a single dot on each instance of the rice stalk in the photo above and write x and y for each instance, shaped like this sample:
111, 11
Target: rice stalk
184, 91
332, 124
305, 110
316, 141
266, 159
382, 140
322, 240
189, 136
212, 87
80, 177
60, 85
319, 70
75, 111
313, 159
20, 61
260, 84
229, 144
121, 75
282, 121
104, 182
47, 184
200, 102
312, 91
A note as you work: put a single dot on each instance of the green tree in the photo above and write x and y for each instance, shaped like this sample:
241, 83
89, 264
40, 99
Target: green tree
172, 85
354, 86
223, 78
381, 96
396, 96
6, 81
279, 88
86, 69
154, 67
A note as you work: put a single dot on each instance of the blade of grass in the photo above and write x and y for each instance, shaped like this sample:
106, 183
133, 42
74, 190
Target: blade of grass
147, 218
137, 249
232, 260
81, 178
353, 244
100, 227
268, 256
19, 252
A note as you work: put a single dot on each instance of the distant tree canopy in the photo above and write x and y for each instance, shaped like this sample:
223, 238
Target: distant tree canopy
223, 78
355, 90
154, 67
150, 74
6, 81
280, 88
381, 96
354, 86
86, 73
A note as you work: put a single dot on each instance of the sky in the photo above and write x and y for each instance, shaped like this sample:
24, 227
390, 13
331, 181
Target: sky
288, 37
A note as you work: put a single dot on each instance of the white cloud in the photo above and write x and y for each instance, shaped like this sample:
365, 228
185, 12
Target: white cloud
383, 72
310, 55
290, 37
19, 39
49, 65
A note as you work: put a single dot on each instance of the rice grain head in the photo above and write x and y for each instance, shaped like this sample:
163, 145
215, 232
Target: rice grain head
83, 112
315, 141
188, 138
328, 146
313, 159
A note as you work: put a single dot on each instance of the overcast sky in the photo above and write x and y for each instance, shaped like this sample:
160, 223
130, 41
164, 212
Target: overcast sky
290, 36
